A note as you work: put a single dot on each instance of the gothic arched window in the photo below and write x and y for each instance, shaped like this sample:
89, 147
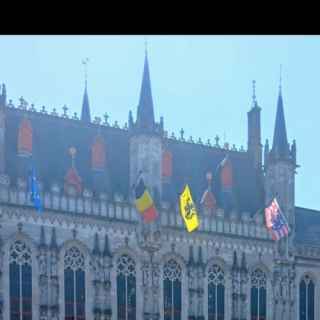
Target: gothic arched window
20, 273
216, 287
74, 284
25, 138
258, 295
172, 290
126, 288
306, 294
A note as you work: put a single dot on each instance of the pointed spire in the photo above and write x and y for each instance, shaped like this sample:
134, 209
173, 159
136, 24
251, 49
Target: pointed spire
243, 263
280, 148
145, 114
200, 261
42, 238
106, 250
3, 96
85, 112
235, 265
254, 98
53, 243
96, 246
191, 257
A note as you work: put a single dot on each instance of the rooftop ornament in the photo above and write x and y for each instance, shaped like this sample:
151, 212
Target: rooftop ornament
242, 149
32, 108
191, 139
200, 141
75, 116
65, 109
226, 146
234, 147
10, 105
181, 134
106, 117
125, 127
173, 136
97, 120
54, 112
115, 125
23, 104
43, 110
208, 143
217, 141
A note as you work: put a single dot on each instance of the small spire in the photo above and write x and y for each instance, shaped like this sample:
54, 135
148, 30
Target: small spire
280, 80
191, 257
42, 238
85, 112
145, 46
145, 114
254, 91
235, 265
106, 251
243, 263
280, 147
96, 246
200, 261
53, 242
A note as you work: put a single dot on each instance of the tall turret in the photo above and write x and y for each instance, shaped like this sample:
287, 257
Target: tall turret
146, 140
280, 165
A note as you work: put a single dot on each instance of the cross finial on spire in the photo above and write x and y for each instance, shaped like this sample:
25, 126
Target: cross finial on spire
145, 45
254, 91
85, 63
280, 82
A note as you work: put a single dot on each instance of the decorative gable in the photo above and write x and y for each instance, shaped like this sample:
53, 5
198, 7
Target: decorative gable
25, 138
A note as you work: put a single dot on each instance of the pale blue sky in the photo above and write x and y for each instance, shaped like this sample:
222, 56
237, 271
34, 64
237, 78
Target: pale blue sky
200, 83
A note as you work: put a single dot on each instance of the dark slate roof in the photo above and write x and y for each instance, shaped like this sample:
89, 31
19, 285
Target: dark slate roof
53, 136
307, 226
193, 161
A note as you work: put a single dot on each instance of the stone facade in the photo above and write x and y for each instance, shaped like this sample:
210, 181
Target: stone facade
100, 241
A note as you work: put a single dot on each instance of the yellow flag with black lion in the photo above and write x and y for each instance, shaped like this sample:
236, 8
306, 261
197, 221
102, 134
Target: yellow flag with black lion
188, 210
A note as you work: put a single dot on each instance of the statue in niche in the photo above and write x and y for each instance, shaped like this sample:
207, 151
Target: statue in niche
42, 263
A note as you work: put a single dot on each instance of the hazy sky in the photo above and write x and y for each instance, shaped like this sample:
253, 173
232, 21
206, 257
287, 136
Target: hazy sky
200, 83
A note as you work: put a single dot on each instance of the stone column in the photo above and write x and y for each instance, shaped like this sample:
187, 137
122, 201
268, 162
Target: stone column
43, 278
106, 285
53, 279
192, 291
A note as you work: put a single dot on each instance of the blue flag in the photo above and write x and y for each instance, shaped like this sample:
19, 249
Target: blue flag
34, 190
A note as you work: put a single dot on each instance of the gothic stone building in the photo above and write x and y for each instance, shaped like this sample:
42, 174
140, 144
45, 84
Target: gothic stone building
89, 255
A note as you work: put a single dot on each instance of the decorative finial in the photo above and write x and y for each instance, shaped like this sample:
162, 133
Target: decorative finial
72, 152
254, 91
145, 46
280, 80
85, 63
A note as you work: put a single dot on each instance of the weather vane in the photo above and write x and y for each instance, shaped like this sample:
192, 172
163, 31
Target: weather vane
85, 63
145, 45
280, 85
254, 90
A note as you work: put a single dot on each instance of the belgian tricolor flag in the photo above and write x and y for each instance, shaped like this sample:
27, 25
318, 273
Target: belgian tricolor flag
144, 202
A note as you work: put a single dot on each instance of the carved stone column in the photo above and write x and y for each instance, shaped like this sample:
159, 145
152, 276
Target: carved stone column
149, 239
200, 285
244, 279
106, 287
54, 278
43, 277
235, 283
191, 285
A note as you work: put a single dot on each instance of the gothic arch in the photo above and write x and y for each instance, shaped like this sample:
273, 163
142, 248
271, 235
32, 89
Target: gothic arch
30, 245
307, 288
216, 261
175, 256
262, 267
74, 258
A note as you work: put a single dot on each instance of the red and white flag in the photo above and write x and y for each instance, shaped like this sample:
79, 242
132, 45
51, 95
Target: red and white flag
276, 223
